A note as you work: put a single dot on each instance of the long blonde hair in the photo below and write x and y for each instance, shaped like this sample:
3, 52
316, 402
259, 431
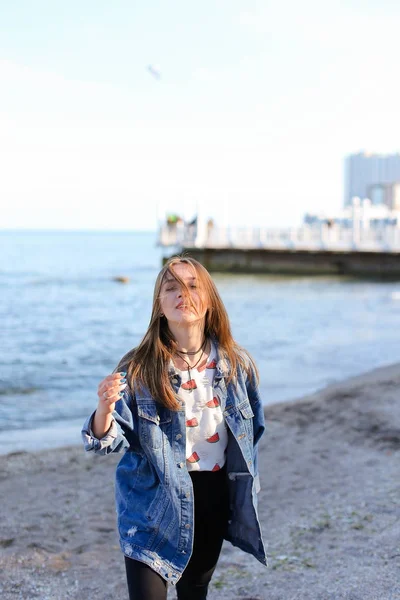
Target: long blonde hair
148, 363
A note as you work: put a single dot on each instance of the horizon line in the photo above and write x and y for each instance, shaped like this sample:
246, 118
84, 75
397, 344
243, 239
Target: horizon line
56, 230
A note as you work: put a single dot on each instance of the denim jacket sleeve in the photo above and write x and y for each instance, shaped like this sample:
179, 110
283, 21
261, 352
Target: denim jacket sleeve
115, 439
253, 394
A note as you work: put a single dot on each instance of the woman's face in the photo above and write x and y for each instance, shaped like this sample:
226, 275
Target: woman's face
174, 305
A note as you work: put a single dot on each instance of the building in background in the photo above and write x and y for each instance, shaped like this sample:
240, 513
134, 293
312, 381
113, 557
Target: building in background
373, 176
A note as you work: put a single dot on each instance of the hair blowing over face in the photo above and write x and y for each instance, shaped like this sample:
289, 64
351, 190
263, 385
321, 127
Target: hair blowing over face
148, 363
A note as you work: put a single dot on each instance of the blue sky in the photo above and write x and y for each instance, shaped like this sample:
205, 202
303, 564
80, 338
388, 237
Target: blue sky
255, 109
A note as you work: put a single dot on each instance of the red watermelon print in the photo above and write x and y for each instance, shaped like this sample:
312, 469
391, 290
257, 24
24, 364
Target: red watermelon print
212, 364
202, 367
193, 458
189, 385
216, 467
192, 422
214, 438
213, 403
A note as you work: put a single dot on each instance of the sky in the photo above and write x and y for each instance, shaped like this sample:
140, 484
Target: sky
256, 105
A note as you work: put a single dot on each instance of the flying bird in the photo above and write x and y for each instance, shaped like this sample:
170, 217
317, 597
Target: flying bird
154, 71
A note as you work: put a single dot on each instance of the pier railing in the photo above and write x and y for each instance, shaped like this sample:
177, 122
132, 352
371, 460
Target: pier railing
383, 239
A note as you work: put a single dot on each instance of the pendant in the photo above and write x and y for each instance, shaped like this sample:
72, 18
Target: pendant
190, 379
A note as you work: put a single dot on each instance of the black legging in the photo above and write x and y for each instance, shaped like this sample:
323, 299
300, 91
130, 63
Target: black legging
210, 515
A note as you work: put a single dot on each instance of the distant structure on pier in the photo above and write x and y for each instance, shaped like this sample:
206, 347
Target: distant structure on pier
373, 176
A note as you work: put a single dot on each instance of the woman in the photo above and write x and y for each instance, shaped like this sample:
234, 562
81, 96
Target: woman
185, 407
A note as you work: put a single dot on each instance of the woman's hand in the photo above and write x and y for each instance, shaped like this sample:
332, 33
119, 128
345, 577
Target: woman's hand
109, 392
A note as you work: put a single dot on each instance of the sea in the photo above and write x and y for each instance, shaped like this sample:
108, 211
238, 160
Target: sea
66, 322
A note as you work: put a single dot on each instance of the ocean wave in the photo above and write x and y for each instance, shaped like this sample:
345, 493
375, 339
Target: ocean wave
19, 391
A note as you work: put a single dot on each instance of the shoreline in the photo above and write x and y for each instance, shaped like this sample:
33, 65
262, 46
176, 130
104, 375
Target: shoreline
60, 434
329, 506
55, 435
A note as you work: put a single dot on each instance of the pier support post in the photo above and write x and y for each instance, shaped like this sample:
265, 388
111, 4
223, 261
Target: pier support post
356, 221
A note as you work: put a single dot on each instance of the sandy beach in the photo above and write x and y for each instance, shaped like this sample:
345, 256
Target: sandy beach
329, 507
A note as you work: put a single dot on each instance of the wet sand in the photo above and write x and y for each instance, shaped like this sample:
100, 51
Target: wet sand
329, 507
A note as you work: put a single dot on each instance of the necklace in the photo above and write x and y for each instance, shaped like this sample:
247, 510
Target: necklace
193, 353
195, 365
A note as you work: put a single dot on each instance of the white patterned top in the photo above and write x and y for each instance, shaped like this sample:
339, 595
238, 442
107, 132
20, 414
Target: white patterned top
206, 433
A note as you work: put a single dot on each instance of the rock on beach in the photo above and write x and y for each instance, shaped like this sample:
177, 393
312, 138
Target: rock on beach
329, 506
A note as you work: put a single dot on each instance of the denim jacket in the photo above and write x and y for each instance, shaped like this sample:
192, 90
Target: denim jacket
154, 492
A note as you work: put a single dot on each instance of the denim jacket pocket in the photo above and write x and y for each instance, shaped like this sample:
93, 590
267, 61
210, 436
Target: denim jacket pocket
155, 510
153, 423
246, 410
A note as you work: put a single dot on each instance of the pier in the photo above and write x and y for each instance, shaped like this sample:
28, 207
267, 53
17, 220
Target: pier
358, 249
